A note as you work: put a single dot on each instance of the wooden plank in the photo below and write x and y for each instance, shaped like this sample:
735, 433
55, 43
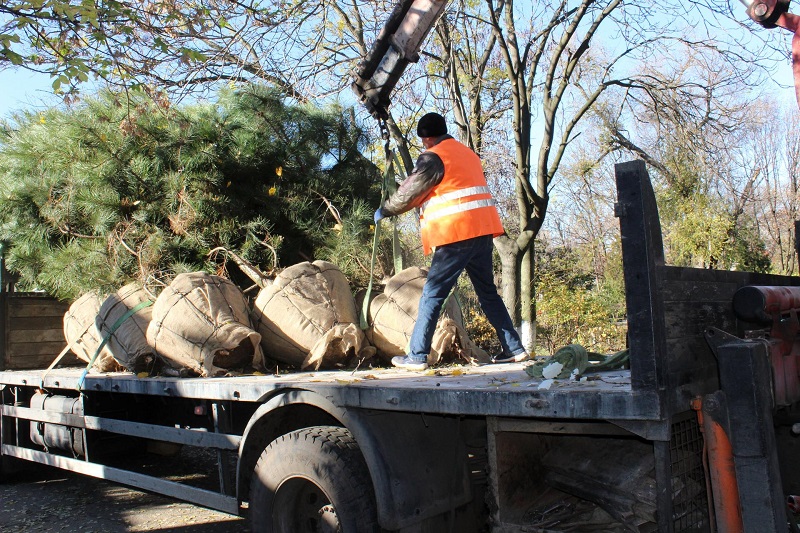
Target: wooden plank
33, 308
38, 362
30, 335
37, 323
21, 349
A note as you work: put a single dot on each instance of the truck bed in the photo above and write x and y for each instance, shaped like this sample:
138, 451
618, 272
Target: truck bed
494, 390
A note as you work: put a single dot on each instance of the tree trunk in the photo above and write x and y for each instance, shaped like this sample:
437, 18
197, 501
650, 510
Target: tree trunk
509, 284
527, 327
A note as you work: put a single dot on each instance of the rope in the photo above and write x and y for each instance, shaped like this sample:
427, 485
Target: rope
58, 358
117, 324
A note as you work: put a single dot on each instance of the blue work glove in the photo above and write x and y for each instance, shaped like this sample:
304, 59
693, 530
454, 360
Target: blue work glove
379, 215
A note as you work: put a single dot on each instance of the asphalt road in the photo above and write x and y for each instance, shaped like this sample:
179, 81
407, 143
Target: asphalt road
48, 500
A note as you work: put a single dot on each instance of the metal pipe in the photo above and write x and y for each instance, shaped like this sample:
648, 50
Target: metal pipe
722, 470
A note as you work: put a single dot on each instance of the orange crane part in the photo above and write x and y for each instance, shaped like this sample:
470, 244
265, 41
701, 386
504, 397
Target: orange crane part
775, 13
721, 468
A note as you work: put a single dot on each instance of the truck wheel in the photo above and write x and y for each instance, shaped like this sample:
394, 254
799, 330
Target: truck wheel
312, 480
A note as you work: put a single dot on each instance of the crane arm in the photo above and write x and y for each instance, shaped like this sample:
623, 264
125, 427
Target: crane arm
397, 45
411, 21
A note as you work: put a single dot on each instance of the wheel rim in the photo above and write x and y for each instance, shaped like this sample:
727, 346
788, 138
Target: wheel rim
300, 506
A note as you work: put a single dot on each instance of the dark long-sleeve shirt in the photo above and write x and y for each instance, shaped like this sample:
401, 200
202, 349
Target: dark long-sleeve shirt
427, 174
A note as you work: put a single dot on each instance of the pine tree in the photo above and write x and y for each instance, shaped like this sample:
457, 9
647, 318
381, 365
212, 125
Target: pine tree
118, 188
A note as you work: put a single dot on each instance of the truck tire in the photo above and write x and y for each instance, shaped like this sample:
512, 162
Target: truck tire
312, 479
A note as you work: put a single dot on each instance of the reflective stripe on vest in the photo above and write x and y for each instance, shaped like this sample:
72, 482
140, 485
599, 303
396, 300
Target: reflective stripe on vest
455, 195
459, 208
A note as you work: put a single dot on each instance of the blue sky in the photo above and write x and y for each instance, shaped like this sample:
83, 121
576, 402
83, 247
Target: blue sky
22, 89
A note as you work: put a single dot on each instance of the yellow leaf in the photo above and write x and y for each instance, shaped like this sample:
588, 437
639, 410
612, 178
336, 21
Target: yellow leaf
142, 375
41, 118
457, 372
272, 190
279, 171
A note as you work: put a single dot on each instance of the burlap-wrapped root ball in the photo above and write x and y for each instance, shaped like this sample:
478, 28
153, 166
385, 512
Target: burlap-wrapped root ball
393, 314
130, 310
201, 324
307, 318
82, 335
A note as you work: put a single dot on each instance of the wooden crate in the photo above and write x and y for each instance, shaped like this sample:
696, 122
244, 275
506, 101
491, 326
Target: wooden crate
33, 331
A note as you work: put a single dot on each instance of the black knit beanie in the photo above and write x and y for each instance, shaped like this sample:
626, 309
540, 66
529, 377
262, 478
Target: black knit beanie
432, 125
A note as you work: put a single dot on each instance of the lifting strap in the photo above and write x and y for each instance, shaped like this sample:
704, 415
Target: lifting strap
388, 186
132, 311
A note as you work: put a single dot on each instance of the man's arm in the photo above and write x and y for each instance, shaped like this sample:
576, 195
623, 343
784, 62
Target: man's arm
427, 174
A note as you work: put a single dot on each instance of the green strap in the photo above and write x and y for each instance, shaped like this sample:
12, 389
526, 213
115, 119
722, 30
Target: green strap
388, 181
575, 356
115, 327
363, 319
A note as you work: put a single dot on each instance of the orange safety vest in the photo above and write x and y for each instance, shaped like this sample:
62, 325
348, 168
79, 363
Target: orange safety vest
460, 206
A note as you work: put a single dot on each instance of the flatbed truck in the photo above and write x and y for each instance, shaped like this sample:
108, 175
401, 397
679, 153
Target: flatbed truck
694, 436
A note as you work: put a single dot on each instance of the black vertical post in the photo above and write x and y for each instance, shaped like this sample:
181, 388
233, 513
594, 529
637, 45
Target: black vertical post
663, 471
746, 380
3, 306
797, 243
642, 253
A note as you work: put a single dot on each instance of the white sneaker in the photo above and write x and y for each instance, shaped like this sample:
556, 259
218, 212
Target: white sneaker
502, 358
403, 361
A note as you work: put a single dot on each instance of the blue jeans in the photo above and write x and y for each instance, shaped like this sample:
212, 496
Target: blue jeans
449, 261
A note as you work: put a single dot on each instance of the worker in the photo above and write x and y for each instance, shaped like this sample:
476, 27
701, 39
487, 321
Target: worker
459, 219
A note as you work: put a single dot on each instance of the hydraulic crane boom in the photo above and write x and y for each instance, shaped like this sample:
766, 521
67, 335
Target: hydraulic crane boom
397, 45
412, 20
